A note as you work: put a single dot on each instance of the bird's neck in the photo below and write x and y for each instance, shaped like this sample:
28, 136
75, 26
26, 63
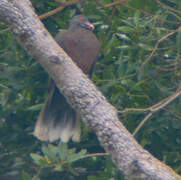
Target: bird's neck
75, 27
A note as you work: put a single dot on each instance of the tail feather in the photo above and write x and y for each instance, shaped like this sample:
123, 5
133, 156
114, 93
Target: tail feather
57, 120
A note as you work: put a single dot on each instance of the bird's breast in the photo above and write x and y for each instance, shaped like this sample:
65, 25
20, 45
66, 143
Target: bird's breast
83, 48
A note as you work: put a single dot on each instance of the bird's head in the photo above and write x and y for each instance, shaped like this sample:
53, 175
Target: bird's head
81, 21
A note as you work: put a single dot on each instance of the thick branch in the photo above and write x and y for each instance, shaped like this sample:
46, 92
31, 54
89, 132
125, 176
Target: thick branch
96, 112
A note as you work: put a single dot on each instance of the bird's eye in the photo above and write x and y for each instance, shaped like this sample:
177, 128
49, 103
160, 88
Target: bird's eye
81, 18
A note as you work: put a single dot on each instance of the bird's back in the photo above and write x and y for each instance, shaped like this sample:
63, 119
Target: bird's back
81, 45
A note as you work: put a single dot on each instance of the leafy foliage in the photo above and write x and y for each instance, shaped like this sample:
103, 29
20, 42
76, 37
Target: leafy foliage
57, 156
139, 66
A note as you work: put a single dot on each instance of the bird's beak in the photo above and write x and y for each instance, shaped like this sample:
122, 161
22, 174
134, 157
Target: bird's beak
89, 26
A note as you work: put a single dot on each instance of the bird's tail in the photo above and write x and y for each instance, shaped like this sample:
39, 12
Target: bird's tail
57, 120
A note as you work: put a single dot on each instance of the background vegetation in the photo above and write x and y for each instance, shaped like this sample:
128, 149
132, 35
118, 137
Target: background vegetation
139, 66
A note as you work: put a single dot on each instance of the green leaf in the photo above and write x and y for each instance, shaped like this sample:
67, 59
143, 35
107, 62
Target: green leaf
58, 168
26, 176
96, 178
36, 177
63, 151
76, 156
36, 107
137, 18
36, 157
178, 40
50, 152
39, 160
122, 36
126, 29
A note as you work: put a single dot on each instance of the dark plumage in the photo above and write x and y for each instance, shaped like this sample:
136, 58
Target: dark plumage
57, 120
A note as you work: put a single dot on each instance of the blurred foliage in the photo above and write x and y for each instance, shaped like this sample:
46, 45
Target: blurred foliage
139, 66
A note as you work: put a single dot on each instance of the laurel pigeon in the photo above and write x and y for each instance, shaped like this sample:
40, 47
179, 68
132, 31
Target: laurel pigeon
57, 119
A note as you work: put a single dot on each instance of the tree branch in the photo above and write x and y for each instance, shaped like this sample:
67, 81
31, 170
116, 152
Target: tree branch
156, 108
152, 109
157, 44
63, 6
124, 2
96, 112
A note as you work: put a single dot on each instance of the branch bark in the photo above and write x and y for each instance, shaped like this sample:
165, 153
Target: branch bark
95, 111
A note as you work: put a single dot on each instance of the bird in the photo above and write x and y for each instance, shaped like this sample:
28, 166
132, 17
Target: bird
57, 120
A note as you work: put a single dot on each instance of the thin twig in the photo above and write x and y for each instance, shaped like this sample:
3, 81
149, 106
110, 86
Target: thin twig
4, 30
95, 154
141, 110
168, 7
142, 123
165, 102
119, 2
157, 44
117, 79
50, 13
156, 108
123, 2
149, 14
